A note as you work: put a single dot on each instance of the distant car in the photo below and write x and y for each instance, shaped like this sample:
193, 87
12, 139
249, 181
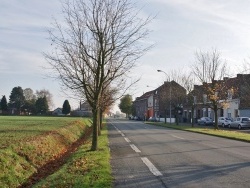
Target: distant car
240, 122
152, 119
224, 122
139, 119
205, 121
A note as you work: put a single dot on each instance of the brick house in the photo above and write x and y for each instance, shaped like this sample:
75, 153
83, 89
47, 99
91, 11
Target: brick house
242, 96
146, 105
171, 98
237, 102
156, 103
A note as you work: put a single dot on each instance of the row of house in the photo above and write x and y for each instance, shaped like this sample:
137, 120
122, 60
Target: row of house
170, 102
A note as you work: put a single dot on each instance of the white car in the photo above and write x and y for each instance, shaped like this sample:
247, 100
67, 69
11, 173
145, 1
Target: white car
224, 122
240, 122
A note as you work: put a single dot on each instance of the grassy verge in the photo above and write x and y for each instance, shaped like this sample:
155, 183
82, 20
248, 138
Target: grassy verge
84, 168
27, 143
235, 135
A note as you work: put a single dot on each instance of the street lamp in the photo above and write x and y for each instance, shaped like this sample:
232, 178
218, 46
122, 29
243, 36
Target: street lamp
170, 94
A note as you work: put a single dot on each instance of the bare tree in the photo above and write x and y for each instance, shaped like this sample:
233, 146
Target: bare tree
45, 93
210, 70
29, 94
107, 100
99, 42
188, 82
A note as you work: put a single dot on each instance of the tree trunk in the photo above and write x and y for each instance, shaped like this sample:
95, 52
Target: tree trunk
215, 117
101, 118
176, 120
100, 123
177, 117
192, 114
95, 130
166, 116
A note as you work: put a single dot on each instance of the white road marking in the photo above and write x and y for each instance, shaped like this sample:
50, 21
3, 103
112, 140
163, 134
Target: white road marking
135, 148
177, 137
151, 167
147, 162
127, 140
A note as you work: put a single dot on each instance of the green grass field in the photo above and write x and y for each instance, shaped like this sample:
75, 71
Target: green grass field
15, 129
29, 143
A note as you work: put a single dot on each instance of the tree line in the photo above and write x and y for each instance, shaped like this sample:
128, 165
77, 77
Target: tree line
25, 101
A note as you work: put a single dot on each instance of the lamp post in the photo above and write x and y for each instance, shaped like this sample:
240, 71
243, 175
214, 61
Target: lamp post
170, 95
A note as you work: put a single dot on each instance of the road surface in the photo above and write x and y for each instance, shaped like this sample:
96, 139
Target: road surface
150, 156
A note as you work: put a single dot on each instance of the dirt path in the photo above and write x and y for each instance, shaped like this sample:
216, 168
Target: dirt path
52, 166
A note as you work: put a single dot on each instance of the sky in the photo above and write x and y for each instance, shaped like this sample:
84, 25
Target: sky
178, 30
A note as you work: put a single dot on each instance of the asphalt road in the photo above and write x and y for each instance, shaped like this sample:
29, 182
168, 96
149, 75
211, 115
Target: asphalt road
150, 156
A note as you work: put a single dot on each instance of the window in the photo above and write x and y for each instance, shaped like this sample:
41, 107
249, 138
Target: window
204, 98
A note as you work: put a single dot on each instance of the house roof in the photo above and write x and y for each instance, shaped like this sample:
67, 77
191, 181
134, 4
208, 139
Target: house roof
57, 109
240, 83
145, 95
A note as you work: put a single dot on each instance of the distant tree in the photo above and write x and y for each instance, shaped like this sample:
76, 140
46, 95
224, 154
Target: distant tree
126, 104
30, 101
45, 93
108, 98
66, 107
42, 106
17, 98
210, 70
133, 112
29, 94
29, 106
188, 82
4, 105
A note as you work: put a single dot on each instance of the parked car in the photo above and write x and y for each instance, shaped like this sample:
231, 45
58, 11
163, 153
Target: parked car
240, 122
131, 117
205, 121
135, 118
152, 119
138, 118
224, 122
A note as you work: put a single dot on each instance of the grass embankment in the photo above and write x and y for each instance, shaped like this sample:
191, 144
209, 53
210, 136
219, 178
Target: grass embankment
84, 168
235, 135
29, 143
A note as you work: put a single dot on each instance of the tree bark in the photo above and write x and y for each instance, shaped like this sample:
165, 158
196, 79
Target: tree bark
215, 117
192, 113
95, 130
100, 123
